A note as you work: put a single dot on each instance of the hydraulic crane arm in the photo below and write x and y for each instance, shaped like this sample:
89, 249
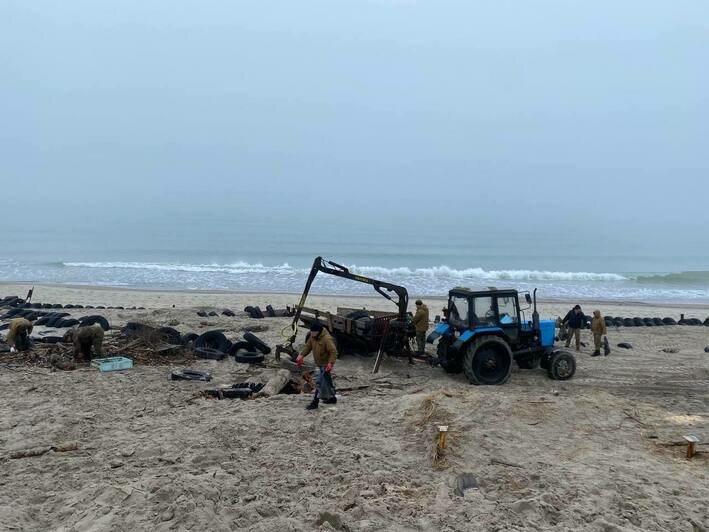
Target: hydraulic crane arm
388, 290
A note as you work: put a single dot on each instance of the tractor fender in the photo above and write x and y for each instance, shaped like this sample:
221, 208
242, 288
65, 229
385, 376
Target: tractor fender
442, 329
469, 335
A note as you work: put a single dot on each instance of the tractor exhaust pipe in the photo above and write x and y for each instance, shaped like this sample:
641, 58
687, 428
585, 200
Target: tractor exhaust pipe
535, 314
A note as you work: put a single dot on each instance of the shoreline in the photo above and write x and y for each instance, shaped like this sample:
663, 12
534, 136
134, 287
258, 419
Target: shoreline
180, 291
201, 296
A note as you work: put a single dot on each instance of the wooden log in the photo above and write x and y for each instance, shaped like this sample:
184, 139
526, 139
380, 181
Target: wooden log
275, 384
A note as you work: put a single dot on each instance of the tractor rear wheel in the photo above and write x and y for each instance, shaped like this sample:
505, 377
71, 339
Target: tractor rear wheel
488, 360
448, 363
562, 366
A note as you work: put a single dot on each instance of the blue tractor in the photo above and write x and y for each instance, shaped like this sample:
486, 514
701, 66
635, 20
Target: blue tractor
486, 330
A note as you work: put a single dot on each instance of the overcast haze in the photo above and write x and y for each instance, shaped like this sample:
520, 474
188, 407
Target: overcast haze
565, 112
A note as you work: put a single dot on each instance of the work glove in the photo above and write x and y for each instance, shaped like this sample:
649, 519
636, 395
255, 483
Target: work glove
328, 368
300, 360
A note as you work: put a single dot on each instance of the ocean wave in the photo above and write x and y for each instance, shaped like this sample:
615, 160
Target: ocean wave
680, 278
398, 272
237, 267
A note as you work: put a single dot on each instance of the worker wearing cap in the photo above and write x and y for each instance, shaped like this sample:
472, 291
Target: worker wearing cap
84, 339
18, 334
321, 344
421, 326
575, 320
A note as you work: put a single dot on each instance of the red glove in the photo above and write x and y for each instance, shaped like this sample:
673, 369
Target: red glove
300, 360
328, 368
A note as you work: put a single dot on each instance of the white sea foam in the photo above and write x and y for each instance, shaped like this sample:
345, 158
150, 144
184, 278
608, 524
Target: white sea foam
403, 272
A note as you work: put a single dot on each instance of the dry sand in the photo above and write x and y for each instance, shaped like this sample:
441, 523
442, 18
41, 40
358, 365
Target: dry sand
586, 454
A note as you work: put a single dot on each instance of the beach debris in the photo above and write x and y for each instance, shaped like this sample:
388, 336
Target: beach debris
242, 390
228, 312
212, 313
91, 320
670, 350
625, 345
209, 353
247, 357
504, 463
188, 338
257, 342
111, 363
202, 313
706, 349
606, 346
254, 312
692, 442
39, 451
275, 384
61, 363
465, 482
213, 340
189, 374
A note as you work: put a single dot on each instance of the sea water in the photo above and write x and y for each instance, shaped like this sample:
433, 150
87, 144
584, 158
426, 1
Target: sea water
273, 255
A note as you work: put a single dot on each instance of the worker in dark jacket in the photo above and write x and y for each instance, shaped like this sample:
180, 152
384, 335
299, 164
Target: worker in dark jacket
321, 344
574, 320
18, 334
421, 326
84, 339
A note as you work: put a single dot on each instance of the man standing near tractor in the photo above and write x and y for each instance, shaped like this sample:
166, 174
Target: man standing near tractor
421, 326
575, 320
321, 344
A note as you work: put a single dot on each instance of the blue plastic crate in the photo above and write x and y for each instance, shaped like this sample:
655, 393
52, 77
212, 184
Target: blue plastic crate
112, 363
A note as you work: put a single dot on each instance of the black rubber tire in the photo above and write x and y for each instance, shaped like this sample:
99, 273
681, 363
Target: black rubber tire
625, 345
618, 322
188, 337
170, 335
258, 314
562, 366
249, 309
638, 322
257, 342
202, 313
69, 306
608, 320
209, 353
100, 307
628, 322
42, 321
241, 346
695, 321
91, 320
52, 321
246, 357
357, 314
270, 311
69, 322
57, 305
648, 322
669, 321
213, 340
488, 360
228, 312
706, 349
449, 364
212, 313
657, 322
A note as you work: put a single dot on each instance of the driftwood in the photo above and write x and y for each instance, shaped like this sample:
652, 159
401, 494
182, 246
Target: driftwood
39, 451
275, 384
502, 462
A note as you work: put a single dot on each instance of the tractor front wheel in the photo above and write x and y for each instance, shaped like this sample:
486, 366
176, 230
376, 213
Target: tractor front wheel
562, 366
488, 360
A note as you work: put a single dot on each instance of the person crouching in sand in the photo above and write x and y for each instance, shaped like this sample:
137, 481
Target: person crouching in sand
19, 334
322, 346
84, 339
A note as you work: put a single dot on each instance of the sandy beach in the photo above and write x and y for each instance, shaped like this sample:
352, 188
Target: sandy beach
600, 452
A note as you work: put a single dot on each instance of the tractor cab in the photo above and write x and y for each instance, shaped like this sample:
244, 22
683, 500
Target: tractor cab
485, 330
490, 309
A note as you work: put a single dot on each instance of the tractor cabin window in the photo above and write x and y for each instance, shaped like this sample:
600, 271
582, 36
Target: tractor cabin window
458, 311
484, 312
507, 310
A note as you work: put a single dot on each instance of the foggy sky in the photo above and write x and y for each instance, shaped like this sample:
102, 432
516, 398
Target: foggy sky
553, 112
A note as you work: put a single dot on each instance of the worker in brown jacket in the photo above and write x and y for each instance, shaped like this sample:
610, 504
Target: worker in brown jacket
84, 339
598, 328
321, 344
421, 326
18, 334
